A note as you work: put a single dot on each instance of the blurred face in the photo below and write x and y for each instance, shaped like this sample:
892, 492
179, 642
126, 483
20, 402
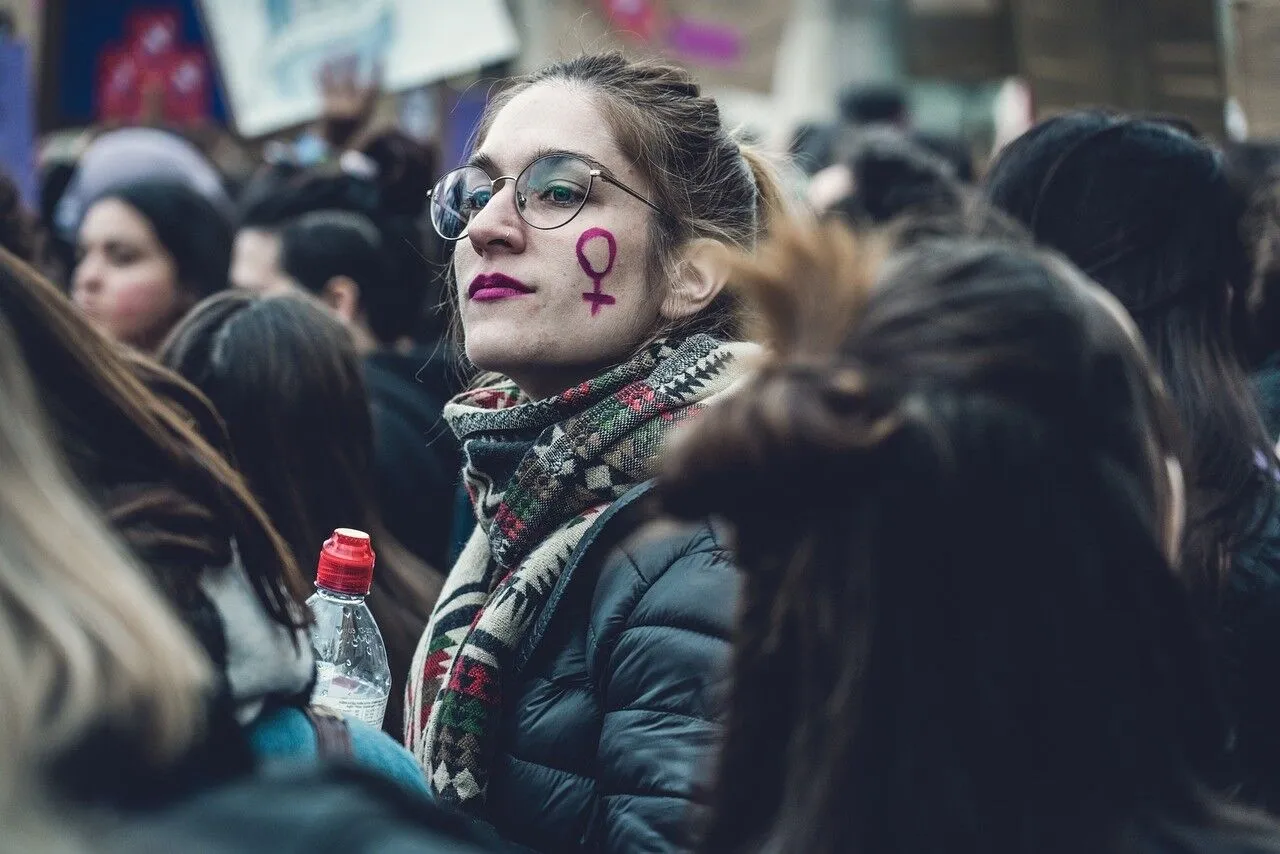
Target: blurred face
255, 262
552, 308
125, 281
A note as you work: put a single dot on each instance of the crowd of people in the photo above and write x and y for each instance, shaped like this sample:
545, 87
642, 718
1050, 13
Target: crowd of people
882, 498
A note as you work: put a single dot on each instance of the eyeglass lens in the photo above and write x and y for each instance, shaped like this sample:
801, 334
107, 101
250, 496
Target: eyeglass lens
549, 192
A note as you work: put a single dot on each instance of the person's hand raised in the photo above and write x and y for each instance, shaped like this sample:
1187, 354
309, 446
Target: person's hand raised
349, 99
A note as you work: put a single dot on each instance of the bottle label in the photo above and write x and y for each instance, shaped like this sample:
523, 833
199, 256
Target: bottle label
353, 697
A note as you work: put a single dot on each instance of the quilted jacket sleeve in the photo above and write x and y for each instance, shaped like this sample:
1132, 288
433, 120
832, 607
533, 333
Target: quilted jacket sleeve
659, 649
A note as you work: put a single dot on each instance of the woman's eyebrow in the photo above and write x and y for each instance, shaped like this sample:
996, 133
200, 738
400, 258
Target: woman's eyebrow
483, 161
490, 166
587, 158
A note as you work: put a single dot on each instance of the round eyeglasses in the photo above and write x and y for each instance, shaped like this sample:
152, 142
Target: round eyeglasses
549, 193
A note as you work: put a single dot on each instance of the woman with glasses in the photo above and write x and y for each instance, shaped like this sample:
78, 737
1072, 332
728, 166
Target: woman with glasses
564, 692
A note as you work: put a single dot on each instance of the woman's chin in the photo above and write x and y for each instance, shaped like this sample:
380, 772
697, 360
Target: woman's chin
499, 353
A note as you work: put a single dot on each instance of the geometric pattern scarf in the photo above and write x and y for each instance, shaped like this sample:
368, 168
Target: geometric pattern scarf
538, 474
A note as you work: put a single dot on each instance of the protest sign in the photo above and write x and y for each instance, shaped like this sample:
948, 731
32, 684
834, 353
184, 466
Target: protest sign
731, 43
152, 75
270, 52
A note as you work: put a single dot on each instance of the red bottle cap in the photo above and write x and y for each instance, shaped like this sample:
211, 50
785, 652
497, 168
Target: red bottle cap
346, 563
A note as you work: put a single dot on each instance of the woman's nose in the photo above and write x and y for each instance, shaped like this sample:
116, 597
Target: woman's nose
498, 226
87, 277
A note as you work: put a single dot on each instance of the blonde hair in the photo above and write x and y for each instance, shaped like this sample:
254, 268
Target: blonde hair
85, 640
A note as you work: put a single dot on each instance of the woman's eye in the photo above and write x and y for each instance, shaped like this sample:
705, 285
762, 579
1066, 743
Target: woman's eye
561, 194
121, 256
477, 200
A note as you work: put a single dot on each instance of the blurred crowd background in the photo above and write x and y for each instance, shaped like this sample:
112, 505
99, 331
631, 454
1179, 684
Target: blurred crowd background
225, 299
968, 73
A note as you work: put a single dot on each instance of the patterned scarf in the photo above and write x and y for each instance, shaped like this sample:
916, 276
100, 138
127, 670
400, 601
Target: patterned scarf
538, 473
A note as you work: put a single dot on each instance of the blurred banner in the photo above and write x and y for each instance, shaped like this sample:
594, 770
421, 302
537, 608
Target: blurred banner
270, 52
726, 43
1256, 74
1159, 57
124, 61
17, 118
961, 41
152, 75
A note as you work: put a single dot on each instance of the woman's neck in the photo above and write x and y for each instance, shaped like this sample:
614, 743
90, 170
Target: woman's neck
542, 384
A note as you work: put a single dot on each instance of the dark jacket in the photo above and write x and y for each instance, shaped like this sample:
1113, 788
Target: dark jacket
1249, 637
610, 723
308, 811
416, 457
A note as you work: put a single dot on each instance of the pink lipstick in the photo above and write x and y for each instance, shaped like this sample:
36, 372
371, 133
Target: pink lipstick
488, 287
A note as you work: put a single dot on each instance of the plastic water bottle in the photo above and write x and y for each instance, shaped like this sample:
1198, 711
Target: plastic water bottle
352, 675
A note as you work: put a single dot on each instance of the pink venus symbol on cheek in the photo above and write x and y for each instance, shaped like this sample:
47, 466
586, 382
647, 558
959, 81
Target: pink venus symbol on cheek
596, 297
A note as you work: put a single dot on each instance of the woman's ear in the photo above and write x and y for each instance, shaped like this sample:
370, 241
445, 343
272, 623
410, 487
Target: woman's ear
701, 272
342, 295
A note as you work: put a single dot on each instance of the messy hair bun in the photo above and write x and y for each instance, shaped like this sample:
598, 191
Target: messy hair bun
946, 489
808, 404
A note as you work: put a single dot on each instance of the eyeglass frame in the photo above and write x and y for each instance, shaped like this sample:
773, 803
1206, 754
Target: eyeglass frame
594, 171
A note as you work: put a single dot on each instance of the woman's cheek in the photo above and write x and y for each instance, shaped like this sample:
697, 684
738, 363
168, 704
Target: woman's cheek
138, 306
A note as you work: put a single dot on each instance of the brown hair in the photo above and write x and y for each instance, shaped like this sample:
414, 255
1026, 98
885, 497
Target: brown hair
284, 374
708, 184
146, 445
86, 643
947, 493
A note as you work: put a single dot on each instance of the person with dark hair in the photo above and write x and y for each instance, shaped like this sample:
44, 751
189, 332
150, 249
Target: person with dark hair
106, 741
275, 197
862, 105
96, 666
563, 692
406, 171
284, 375
148, 450
955, 150
1150, 213
887, 177
965, 633
386, 182
341, 259
147, 253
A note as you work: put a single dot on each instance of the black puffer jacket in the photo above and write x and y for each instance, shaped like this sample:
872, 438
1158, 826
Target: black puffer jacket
610, 729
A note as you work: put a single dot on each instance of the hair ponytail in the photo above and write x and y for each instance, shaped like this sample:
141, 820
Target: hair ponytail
773, 205
808, 404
